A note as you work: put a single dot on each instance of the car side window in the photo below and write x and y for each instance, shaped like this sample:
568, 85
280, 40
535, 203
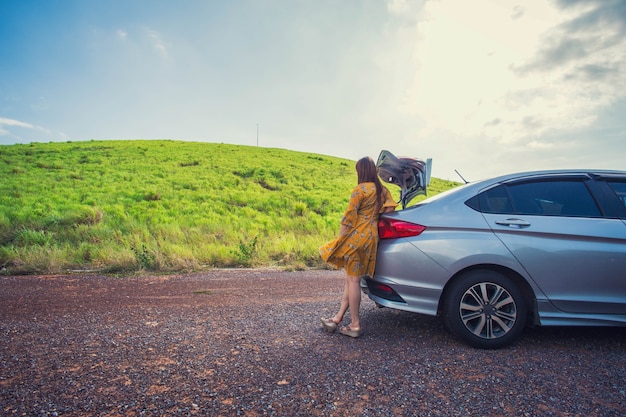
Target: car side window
619, 188
553, 198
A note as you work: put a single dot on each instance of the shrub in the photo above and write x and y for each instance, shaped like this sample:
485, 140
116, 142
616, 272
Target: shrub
299, 208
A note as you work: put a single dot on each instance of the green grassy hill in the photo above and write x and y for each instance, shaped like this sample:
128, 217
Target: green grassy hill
168, 206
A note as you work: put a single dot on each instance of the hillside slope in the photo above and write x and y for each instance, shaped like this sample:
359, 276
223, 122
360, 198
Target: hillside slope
123, 206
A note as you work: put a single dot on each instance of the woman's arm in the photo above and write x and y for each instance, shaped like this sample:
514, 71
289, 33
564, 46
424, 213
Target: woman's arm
389, 205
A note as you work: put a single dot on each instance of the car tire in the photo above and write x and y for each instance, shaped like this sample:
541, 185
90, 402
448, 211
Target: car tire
485, 309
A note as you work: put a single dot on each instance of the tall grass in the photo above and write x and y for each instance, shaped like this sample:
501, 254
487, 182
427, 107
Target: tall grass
124, 206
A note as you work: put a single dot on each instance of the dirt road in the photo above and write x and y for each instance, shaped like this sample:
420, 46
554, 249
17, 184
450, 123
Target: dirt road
249, 343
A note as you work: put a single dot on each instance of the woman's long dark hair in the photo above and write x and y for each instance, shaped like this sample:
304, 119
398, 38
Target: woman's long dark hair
366, 172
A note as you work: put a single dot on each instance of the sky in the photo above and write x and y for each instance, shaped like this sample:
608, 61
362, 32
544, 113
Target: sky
483, 87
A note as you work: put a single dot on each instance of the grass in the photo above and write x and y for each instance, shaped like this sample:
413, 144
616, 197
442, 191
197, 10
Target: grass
204, 292
168, 206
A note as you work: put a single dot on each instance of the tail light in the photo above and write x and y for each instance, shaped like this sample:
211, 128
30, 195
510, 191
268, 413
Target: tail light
393, 229
383, 291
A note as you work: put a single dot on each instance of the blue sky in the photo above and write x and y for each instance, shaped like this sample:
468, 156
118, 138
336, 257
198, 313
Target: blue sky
483, 86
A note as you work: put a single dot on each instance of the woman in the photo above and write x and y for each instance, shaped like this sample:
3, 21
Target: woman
355, 248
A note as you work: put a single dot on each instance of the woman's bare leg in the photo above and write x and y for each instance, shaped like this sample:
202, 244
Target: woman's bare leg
354, 300
344, 304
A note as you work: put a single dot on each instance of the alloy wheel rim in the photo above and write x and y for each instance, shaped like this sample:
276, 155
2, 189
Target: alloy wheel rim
488, 310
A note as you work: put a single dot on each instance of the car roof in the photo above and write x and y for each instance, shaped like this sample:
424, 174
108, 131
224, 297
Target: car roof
476, 186
547, 173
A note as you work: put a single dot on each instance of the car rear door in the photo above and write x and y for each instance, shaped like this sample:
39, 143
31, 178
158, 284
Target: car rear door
556, 229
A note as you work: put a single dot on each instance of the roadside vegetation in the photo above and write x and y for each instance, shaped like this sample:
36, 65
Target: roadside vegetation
168, 206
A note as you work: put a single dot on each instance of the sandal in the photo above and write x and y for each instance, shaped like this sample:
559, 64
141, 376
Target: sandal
329, 325
348, 331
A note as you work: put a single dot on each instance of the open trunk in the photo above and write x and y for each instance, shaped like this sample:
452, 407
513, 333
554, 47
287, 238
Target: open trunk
412, 175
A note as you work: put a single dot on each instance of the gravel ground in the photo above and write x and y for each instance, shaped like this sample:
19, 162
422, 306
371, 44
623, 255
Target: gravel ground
249, 343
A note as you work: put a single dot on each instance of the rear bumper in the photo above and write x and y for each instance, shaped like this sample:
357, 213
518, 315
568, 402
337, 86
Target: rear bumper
413, 299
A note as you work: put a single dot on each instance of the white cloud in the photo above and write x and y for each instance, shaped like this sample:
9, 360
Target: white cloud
139, 40
403, 7
540, 145
157, 42
477, 71
13, 122
9, 126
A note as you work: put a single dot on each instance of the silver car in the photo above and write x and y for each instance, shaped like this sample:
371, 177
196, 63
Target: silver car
491, 257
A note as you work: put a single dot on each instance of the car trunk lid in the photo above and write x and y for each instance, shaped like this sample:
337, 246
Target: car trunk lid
412, 175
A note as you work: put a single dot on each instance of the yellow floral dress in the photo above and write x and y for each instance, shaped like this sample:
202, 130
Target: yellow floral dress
355, 248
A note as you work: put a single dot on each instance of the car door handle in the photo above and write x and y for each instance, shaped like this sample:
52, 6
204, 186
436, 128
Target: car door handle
515, 223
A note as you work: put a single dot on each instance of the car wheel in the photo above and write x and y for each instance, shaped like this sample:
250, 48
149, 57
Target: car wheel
485, 309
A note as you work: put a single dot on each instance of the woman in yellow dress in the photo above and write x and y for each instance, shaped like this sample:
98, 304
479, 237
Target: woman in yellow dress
355, 247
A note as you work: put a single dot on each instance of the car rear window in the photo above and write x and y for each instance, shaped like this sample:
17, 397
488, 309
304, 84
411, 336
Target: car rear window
619, 188
495, 200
